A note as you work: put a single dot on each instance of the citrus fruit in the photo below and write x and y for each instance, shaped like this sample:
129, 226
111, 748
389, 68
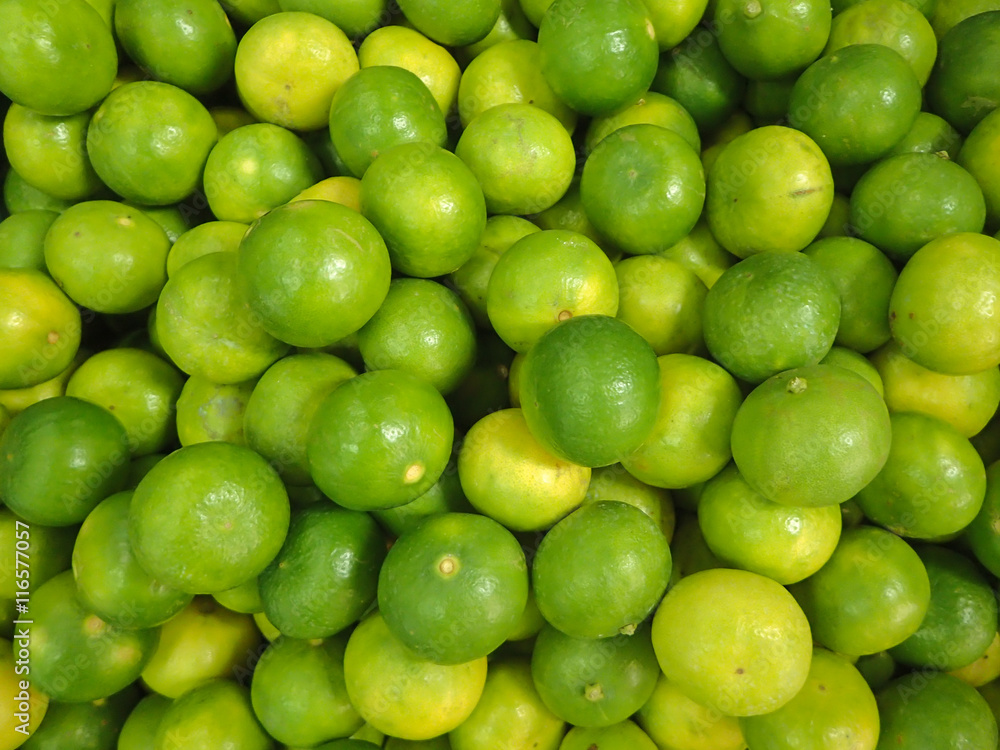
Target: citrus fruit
966, 402
672, 22
289, 65
697, 74
109, 580
507, 475
522, 156
651, 108
769, 40
601, 570
356, 17
511, 25
961, 620
402, 694
864, 277
616, 484
746, 658
59, 60
508, 73
205, 327
255, 168
312, 272
214, 715
978, 156
842, 90
41, 328
445, 496
423, 328
22, 239
877, 669
768, 172
871, 595
835, 710
597, 56
138, 387
452, 23
620, 736
929, 134
91, 724
567, 213
545, 278
281, 405
427, 205
19, 196
60, 457
959, 89
76, 254
244, 598
701, 253
381, 107
983, 670
208, 517
509, 713
983, 533
200, 643
905, 201
811, 436
675, 721
643, 186
210, 411
210, 237
139, 730
748, 531
934, 312
149, 141
387, 420
75, 655
407, 48
769, 313
298, 691
188, 44
589, 389
247, 12
28, 705
852, 360
689, 442
594, 682
51, 151
304, 596
928, 709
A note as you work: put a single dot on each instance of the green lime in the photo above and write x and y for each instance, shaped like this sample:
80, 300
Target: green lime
960, 89
303, 595
139, 388
837, 223
188, 44
849, 359
210, 237
746, 530
615, 483
209, 411
507, 475
522, 156
769, 40
40, 329
90, 724
389, 422
986, 668
871, 595
214, 715
598, 57
473, 570
510, 713
811, 436
255, 168
205, 326
75, 655
927, 709
651, 108
51, 151
961, 621
60, 457
312, 272
877, 669
929, 134
835, 710
58, 60
109, 580
864, 277
624, 735
381, 107
452, 23
983, 533
601, 570
402, 694
139, 730
208, 517
762, 175
427, 205
701, 253
511, 25
566, 390
905, 201
688, 547
978, 156
856, 103
545, 278
567, 213
244, 598
149, 141
769, 313
966, 402
767, 101
935, 312
675, 721
200, 643
445, 496
746, 658
298, 691
22, 239
355, 17
19, 196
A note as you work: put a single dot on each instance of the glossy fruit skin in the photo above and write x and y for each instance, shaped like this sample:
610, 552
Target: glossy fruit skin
961, 88
979, 156
90, 724
216, 714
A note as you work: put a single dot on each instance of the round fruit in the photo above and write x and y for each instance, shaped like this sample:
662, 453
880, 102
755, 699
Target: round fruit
960, 89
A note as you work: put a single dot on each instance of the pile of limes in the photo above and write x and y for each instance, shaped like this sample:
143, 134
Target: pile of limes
500, 374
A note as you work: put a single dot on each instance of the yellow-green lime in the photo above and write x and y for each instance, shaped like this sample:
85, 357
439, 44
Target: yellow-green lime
214, 715
652, 108
22, 239
701, 253
407, 48
210, 237
210, 411
452, 22
675, 721
616, 484
849, 359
